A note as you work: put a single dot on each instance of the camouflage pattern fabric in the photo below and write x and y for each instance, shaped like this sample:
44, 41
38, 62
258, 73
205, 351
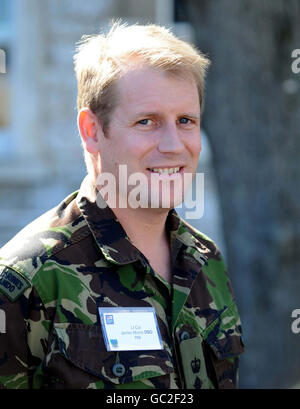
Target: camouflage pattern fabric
75, 258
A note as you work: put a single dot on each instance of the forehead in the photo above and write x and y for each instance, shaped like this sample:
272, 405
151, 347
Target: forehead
147, 88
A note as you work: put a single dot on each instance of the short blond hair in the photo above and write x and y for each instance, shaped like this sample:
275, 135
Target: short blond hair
102, 59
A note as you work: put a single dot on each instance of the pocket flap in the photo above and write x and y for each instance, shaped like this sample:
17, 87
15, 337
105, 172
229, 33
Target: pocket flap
83, 345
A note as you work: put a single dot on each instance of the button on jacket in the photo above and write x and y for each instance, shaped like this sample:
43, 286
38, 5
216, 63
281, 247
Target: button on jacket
57, 272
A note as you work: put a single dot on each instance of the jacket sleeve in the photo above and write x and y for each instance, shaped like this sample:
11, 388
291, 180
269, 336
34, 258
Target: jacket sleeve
23, 338
13, 344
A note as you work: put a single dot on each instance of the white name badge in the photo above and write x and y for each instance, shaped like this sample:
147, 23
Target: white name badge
130, 329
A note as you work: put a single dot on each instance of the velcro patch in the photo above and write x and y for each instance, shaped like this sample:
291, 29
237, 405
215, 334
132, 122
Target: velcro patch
12, 284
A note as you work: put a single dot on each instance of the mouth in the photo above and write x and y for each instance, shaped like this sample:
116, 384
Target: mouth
167, 170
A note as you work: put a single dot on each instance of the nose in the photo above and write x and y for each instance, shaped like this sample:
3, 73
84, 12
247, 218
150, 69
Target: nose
170, 141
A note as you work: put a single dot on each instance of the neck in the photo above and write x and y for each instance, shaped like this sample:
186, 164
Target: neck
146, 229
147, 232
141, 224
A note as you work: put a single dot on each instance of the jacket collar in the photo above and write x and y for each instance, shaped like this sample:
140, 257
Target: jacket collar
112, 238
106, 229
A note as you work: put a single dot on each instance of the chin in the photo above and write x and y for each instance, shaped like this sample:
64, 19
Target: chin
157, 201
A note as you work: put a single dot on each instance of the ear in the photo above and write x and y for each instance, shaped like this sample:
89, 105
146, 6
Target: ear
90, 129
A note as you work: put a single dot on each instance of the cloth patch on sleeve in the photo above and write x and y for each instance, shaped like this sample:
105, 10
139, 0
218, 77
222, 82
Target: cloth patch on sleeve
12, 284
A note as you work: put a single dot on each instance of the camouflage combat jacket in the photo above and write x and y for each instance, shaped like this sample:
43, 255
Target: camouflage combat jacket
57, 272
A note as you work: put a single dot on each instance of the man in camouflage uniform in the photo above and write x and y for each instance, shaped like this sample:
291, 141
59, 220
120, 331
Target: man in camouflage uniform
139, 99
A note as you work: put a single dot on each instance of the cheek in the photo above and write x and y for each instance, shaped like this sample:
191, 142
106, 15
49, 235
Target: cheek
194, 146
109, 155
138, 148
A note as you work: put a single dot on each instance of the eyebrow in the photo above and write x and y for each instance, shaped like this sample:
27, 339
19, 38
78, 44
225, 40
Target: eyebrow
147, 113
192, 115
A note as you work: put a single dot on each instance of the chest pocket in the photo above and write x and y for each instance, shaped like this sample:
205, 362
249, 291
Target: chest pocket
210, 360
82, 346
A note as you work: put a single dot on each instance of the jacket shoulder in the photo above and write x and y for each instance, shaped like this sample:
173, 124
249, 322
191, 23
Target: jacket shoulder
192, 237
214, 269
24, 255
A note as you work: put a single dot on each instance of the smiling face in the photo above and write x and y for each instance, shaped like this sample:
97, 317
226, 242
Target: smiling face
155, 128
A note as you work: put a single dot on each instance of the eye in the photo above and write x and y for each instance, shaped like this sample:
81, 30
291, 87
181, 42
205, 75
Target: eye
184, 121
144, 121
188, 123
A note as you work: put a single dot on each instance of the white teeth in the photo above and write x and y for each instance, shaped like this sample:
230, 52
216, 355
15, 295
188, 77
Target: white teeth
165, 170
